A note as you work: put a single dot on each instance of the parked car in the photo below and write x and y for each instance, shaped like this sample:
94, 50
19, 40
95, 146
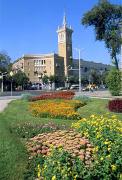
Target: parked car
61, 88
74, 86
36, 86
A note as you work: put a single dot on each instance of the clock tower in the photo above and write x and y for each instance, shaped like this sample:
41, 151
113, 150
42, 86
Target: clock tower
65, 44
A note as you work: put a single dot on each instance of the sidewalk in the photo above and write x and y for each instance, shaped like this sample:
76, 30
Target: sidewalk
4, 104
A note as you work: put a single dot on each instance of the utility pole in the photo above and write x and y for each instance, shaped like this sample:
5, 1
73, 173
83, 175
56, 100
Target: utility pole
1, 77
79, 55
120, 26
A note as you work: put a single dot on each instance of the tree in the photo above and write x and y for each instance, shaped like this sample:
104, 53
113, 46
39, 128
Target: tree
20, 79
52, 78
95, 77
4, 61
45, 79
114, 81
105, 18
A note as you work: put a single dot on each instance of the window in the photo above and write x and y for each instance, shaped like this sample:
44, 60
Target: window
85, 69
22, 66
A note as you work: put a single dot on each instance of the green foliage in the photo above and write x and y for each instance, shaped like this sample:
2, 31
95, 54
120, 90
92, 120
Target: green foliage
59, 165
20, 79
45, 79
95, 77
114, 82
29, 130
105, 18
4, 61
52, 78
105, 133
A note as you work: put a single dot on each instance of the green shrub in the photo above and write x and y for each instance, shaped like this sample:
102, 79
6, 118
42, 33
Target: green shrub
114, 82
26, 96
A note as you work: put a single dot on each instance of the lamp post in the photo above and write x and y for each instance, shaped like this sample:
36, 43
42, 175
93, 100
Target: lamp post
101, 73
11, 74
79, 54
1, 77
120, 26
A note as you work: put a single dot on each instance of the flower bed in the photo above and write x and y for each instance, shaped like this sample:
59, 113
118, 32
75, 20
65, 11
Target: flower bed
54, 95
59, 155
106, 135
56, 109
115, 105
70, 141
28, 130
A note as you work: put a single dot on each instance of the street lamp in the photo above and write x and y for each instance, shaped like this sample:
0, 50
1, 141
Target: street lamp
79, 54
1, 77
120, 26
101, 73
11, 74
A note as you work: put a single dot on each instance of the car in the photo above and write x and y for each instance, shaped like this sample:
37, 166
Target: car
61, 88
74, 86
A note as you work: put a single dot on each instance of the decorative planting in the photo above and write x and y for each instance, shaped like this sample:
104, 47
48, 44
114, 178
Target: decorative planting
28, 130
105, 133
115, 105
54, 95
66, 109
70, 141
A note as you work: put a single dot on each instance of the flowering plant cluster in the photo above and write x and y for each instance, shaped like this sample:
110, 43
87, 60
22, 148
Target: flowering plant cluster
61, 165
29, 130
69, 140
56, 109
54, 95
115, 105
106, 135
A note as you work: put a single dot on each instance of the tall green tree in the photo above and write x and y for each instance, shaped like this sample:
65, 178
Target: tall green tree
105, 18
20, 79
4, 61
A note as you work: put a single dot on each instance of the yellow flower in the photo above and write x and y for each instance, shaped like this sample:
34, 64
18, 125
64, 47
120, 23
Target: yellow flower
109, 149
39, 170
113, 167
108, 156
101, 158
92, 116
75, 177
54, 178
106, 142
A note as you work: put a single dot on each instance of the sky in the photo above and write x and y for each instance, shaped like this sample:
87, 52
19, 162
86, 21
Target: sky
29, 27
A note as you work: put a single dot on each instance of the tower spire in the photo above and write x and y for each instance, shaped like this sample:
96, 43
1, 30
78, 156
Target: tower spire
64, 20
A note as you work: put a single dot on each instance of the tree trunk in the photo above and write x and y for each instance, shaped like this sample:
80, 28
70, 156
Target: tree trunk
116, 62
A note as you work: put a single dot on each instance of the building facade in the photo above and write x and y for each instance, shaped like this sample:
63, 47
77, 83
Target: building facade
36, 66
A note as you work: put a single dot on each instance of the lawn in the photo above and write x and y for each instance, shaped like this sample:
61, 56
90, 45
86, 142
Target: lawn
13, 154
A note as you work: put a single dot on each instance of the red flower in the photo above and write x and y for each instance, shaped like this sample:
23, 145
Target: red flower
115, 105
